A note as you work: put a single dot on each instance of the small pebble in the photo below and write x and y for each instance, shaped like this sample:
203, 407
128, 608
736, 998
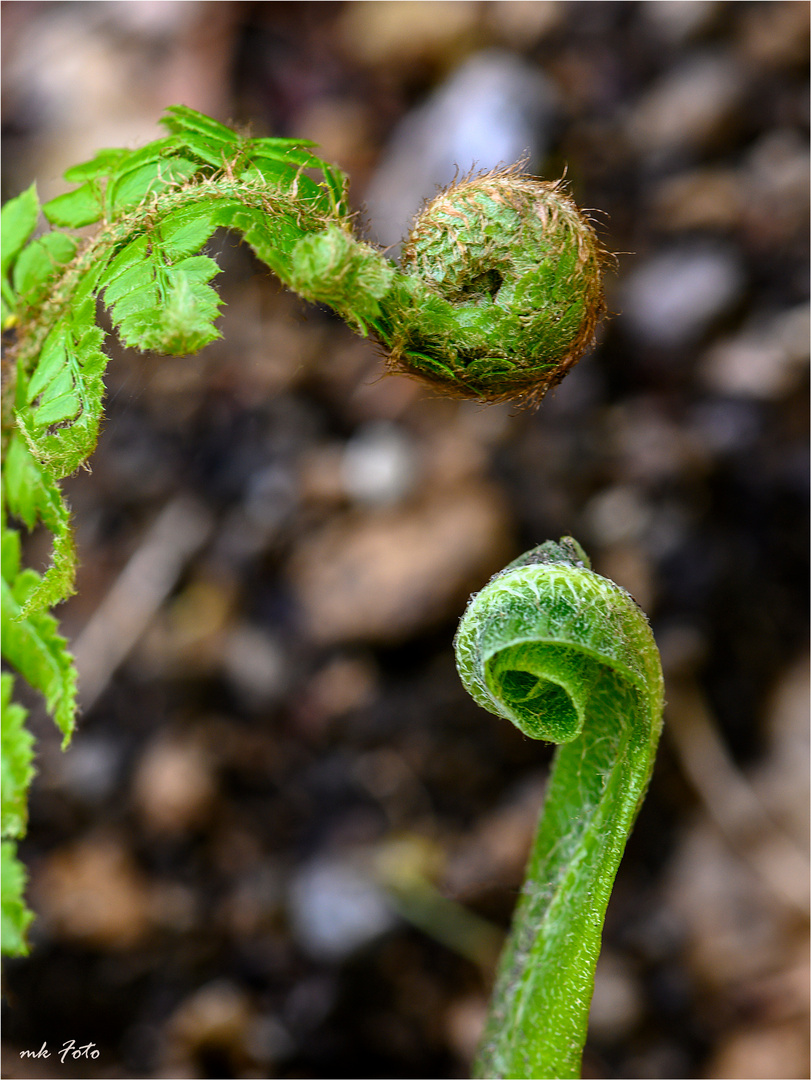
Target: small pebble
493, 110
379, 464
336, 910
672, 297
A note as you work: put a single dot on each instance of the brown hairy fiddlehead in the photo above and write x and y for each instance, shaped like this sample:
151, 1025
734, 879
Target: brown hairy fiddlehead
501, 291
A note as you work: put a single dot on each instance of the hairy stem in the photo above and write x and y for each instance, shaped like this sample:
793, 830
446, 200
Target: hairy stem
37, 323
568, 657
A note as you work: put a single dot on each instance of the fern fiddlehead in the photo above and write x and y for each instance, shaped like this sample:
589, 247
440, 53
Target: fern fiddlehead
567, 656
498, 295
506, 271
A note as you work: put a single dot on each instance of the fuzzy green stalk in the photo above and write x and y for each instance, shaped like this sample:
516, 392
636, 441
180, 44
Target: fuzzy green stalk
568, 657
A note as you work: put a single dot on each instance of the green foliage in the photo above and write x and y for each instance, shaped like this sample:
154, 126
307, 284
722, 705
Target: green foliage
16, 776
156, 209
31, 642
567, 656
16, 917
17, 763
158, 297
500, 308
19, 219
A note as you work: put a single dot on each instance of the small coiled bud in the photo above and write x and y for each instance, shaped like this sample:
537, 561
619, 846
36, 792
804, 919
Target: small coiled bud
503, 289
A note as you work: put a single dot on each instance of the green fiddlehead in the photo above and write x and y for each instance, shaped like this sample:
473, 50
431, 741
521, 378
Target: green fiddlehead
503, 289
567, 656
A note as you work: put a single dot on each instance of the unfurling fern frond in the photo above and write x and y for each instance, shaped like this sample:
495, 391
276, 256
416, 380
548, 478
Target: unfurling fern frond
506, 321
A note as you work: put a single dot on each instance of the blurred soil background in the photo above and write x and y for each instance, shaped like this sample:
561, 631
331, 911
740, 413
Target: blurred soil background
284, 842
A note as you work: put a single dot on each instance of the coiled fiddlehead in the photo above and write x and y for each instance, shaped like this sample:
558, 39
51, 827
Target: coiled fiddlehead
504, 271
500, 295
567, 656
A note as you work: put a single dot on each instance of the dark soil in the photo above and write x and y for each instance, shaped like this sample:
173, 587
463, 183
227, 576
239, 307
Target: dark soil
286, 748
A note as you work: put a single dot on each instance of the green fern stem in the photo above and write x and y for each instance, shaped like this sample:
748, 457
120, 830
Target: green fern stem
81, 280
568, 657
500, 296
37, 320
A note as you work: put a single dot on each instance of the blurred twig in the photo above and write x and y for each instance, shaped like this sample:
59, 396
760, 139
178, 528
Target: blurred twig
403, 868
179, 531
730, 799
